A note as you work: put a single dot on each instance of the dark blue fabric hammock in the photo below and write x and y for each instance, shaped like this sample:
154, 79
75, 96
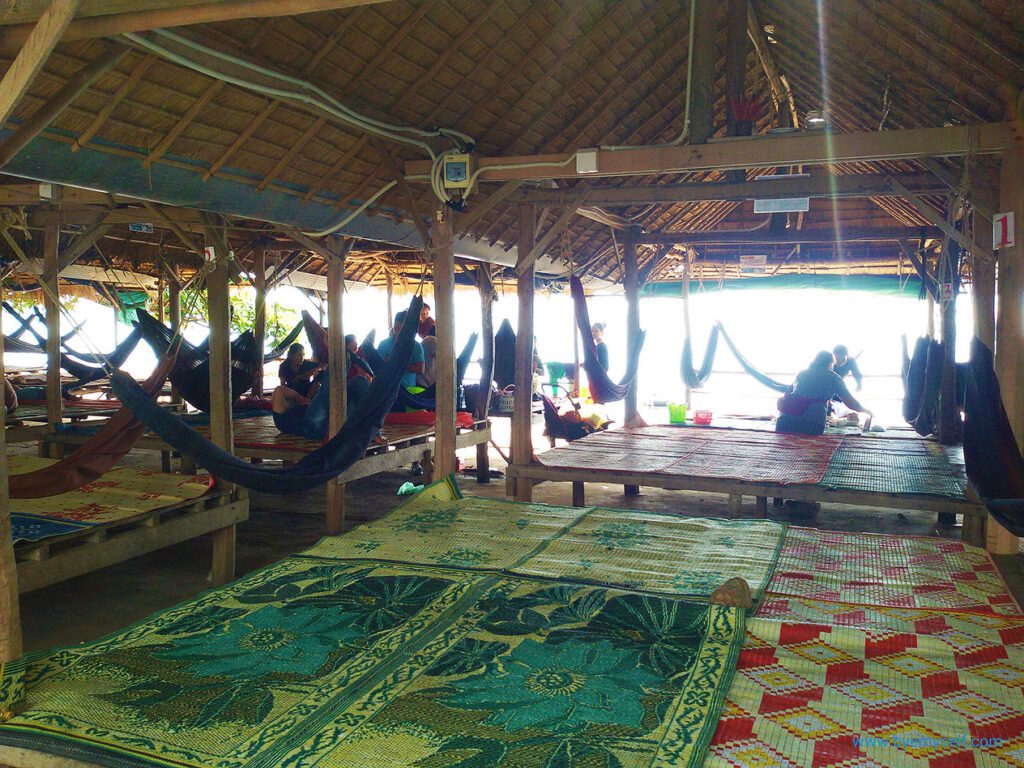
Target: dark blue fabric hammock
505, 355
427, 399
314, 469
282, 346
602, 388
191, 372
697, 379
993, 460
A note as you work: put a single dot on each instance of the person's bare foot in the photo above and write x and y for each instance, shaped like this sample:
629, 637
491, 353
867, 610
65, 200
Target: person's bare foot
735, 592
379, 440
636, 422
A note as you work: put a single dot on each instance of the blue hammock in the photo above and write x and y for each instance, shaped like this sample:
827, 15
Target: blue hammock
314, 469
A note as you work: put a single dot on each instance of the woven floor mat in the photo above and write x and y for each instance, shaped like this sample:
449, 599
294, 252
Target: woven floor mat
810, 695
894, 571
864, 469
119, 495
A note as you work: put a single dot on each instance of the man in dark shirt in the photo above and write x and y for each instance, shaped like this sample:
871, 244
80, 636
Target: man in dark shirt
597, 331
846, 365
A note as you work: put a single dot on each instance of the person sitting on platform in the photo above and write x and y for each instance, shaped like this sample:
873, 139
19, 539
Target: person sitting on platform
310, 417
428, 377
428, 327
846, 365
804, 410
357, 365
597, 331
297, 374
10, 396
415, 362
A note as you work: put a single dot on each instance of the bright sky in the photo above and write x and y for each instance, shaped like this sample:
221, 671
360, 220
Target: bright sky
777, 330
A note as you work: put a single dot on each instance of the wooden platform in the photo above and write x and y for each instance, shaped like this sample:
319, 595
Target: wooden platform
672, 458
56, 558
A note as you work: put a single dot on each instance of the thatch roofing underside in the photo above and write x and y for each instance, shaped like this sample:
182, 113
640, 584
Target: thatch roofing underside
520, 77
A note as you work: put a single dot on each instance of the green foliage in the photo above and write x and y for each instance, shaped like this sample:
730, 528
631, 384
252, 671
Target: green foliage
196, 311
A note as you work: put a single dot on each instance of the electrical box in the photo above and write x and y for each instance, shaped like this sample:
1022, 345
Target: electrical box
458, 168
586, 160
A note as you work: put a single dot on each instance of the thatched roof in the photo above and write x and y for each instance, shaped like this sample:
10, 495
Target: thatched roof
520, 77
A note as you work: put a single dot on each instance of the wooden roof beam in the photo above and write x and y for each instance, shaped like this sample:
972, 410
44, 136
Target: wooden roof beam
758, 152
765, 237
244, 136
765, 187
563, 221
40, 39
938, 220
782, 94
74, 87
143, 15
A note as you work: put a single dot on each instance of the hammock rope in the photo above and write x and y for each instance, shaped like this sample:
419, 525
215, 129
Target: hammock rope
316, 468
602, 388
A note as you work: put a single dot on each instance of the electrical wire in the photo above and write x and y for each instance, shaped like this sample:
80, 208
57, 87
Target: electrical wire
349, 217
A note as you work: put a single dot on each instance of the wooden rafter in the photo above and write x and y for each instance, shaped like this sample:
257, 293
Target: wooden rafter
244, 136
197, 106
295, 148
142, 16
109, 105
38, 42
72, 89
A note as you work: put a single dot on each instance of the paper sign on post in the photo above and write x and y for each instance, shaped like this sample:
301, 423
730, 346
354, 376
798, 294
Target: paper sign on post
1002, 231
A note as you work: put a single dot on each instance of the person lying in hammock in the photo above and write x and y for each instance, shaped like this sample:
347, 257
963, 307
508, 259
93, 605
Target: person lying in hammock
804, 410
357, 364
297, 374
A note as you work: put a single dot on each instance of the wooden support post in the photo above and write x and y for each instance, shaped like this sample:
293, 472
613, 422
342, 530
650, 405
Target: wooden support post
336, 374
735, 506
950, 426
522, 410
221, 396
483, 402
260, 325
51, 255
737, 45
161, 308
631, 284
579, 493
762, 507
444, 365
390, 297
930, 321
702, 80
1010, 323
174, 315
10, 615
983, 285
686, 315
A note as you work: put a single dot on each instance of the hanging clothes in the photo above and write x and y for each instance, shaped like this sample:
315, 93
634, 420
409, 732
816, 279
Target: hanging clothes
316, 468
602, 388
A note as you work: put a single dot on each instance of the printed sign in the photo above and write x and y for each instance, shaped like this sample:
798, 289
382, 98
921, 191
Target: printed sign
947, 292
141, 227
1002, 231
753, 264
783, 205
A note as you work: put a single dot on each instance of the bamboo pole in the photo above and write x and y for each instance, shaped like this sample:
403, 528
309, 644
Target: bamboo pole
522, 411
174, 315
686, 315
336, 373
983, 286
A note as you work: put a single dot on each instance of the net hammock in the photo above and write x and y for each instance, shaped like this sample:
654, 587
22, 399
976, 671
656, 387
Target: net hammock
281, 347
314, 469
602, 388
993, 460
96, 456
